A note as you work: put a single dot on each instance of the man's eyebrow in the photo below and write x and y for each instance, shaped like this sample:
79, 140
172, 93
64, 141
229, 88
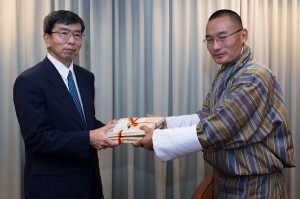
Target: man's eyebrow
219, 33
63, 28
222, 33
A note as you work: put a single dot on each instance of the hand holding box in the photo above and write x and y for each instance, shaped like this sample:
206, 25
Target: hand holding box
128, 130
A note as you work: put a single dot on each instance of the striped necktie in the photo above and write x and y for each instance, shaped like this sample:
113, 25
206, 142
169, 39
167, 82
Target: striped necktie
74, 95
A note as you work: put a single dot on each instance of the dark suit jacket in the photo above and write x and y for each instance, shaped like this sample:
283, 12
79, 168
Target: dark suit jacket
60, 162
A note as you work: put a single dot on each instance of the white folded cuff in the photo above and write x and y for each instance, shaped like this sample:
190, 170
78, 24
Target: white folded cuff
169, 144
182, 120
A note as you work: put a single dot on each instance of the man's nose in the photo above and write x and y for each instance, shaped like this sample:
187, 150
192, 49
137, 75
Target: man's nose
71, 39
216, 45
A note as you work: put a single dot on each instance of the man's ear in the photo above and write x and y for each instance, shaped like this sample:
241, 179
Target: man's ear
244, 35
46, 38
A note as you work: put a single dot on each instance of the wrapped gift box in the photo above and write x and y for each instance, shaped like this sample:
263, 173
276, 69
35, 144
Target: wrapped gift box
128, 130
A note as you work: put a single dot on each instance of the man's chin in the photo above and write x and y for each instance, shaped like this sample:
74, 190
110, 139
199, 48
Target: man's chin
220, 61
68, 57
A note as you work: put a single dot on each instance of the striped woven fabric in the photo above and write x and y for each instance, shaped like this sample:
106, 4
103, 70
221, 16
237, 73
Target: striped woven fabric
243, 126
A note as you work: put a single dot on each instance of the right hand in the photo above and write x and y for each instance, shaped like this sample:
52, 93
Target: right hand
98, 138
145, 142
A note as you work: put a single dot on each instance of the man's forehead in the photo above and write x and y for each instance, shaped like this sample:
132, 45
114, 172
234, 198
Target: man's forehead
220, 21
219, 25
68, 26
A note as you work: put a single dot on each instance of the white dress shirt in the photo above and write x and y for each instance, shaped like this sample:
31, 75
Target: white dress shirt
179, 139
64, 71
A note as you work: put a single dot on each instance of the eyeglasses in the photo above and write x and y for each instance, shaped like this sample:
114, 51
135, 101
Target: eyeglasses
221, 39
65, 34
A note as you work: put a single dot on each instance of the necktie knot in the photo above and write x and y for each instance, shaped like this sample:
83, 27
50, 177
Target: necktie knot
74, 95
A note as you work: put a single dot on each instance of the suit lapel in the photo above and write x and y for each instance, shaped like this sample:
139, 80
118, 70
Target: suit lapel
61, 93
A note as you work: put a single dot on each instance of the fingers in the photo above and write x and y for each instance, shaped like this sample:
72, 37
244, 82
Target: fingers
99, 147
138, 143
106, 144
99, 139
113, 121
108, 126
145, 142
151, 115
146, 129
110, 143
105, 141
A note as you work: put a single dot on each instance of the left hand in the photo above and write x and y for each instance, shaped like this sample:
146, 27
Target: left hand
145, 142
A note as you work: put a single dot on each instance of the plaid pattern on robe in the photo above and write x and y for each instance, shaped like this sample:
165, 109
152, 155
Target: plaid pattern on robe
244, 128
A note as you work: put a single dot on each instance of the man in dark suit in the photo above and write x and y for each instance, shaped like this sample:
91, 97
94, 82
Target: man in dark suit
54, 102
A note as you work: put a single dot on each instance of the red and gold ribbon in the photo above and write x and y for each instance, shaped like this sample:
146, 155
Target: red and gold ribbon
133, 122
119, 133
120, 140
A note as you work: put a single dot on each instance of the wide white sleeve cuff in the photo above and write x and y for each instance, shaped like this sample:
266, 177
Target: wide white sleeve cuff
169, 144
182, 120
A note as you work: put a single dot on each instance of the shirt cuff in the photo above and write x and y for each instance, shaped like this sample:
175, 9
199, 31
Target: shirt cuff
169, 144
182, 120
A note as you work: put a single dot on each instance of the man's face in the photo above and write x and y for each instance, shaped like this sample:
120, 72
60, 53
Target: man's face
64, 49
224, 51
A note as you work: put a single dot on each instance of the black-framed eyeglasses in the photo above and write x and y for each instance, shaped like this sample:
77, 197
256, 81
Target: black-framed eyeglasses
65, 34
222, 38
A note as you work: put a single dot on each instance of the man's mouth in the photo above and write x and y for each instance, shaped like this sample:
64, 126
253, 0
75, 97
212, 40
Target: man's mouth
219, 55
69, 50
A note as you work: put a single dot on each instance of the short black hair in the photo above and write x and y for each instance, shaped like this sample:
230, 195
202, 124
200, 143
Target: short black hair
231, 14
61, 17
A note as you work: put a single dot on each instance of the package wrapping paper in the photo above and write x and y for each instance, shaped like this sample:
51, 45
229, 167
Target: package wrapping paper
128, 129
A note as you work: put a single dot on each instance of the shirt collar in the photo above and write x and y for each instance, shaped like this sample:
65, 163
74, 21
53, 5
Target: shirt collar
62, 69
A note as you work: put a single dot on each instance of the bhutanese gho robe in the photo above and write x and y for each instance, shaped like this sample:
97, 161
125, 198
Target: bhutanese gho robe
244, 131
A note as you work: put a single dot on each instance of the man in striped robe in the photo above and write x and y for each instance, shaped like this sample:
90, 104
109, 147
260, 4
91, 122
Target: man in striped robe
242, 128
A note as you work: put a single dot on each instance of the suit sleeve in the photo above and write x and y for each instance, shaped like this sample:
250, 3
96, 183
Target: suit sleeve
39, 135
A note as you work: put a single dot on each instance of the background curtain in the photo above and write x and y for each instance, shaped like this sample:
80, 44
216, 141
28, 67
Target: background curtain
147, 57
